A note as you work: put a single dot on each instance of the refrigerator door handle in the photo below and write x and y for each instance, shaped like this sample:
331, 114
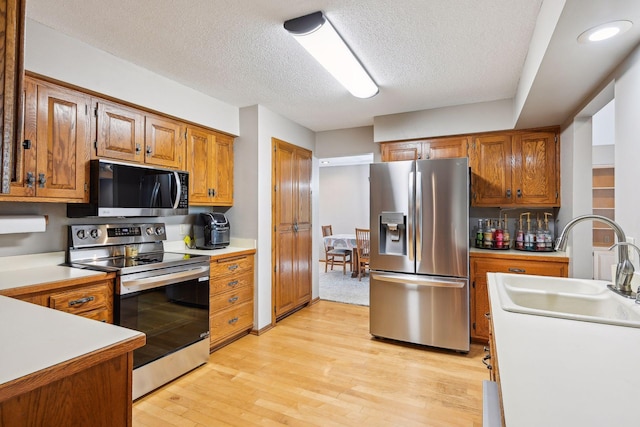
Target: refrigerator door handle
411, 215
419, 216
413, 280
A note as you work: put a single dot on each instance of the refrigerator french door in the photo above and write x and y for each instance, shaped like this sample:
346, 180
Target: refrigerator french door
419, 260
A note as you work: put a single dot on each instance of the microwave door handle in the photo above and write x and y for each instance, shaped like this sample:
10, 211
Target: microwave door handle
154, 195
178, 190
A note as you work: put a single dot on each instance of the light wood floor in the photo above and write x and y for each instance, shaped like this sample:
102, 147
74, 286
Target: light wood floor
320, 367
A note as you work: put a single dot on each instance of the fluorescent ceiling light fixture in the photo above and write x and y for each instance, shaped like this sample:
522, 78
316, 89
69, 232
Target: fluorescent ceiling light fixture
604, 31
316, 34
362, 159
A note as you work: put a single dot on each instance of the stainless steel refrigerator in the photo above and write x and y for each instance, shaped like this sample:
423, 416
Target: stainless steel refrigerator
419, 256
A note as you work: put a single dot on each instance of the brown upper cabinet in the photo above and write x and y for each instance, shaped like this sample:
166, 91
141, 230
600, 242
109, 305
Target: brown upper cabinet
210, 167
12, 19
129, 134
436, 148
51, 160
515, 169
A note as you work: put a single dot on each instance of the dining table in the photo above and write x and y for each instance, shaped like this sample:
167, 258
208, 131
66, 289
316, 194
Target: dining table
344, 241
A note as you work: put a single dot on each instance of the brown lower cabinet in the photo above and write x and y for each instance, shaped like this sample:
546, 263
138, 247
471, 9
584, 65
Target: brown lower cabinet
88, 297
505, 262
231, 297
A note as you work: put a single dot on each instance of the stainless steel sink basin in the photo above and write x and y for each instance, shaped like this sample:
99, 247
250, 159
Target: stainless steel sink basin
574, 299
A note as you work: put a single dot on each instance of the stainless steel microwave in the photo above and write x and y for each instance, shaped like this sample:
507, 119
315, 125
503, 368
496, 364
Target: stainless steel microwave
125, 190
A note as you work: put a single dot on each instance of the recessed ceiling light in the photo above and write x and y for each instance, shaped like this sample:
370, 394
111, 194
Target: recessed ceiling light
604, 31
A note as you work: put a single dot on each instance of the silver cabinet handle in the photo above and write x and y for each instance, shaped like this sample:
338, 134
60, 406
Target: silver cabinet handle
232, 300
233, 321
232, 283
233, 267
80, 301
517, 270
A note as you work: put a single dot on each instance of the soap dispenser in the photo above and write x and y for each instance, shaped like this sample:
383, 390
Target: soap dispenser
548, 235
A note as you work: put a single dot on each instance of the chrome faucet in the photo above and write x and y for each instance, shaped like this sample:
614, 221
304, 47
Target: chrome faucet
624, 270
637, 250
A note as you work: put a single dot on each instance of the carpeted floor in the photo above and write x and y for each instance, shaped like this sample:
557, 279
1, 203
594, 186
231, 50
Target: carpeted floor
334, 286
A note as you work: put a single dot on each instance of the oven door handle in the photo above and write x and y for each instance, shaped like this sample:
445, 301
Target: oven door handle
137, 285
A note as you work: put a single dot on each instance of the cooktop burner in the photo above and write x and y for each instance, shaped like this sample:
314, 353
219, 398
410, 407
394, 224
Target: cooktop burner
125, 265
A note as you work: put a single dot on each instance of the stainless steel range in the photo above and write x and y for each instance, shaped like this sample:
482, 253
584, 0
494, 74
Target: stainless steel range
163, 294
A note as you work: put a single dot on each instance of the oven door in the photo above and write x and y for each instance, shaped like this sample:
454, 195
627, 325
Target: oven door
172, 309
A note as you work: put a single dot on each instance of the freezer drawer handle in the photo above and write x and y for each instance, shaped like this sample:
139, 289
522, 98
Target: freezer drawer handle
419, 281
517, 270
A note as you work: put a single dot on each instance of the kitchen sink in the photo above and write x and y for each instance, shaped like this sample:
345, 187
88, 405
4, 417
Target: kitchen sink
574, 299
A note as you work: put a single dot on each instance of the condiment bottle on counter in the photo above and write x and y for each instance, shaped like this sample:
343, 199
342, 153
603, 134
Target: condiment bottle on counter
480, 234
488, 235
540, 236
506, 237
520, 235
498, 236
548, 237
528, 236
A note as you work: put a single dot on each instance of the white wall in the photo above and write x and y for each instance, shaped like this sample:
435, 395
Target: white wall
347, 142
251, 214
626, 84
344, 199
53, 54
459, 119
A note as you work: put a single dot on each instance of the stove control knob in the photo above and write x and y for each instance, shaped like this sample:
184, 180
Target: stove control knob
81, 234
159, 230
150, 231
95, 233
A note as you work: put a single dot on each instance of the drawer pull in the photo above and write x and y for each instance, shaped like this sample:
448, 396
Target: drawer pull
233, 321
517, 270
487, 315
232, 283
233, 299
80, 301
233, 267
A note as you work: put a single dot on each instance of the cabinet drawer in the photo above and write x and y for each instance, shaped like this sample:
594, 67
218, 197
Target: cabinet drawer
540, 268
101, 315
234, 298
81, 300
231, 321
220, 285
231, 266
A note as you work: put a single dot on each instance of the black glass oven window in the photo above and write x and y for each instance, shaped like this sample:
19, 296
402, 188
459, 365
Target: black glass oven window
172, 317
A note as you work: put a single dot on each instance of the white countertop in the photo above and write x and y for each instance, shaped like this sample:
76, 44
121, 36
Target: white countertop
558, 372
237, 245
26, 270
515, 252
35, 338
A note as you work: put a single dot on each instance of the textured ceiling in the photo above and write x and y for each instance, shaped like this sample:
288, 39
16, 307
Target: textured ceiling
423, 53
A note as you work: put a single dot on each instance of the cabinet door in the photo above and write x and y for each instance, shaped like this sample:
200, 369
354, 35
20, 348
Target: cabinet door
223, 171
201, 162
62, 143
535, 176
480, 297
120, 132
491, 165
292, 240
24, 168
398, 151
164, 143
446, 148
210, 164
12, 14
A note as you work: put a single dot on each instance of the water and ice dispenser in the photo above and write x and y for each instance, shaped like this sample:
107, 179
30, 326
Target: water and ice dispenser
393, 235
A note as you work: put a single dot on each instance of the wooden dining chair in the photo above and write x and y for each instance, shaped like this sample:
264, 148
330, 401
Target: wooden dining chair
335, 256
362, 248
